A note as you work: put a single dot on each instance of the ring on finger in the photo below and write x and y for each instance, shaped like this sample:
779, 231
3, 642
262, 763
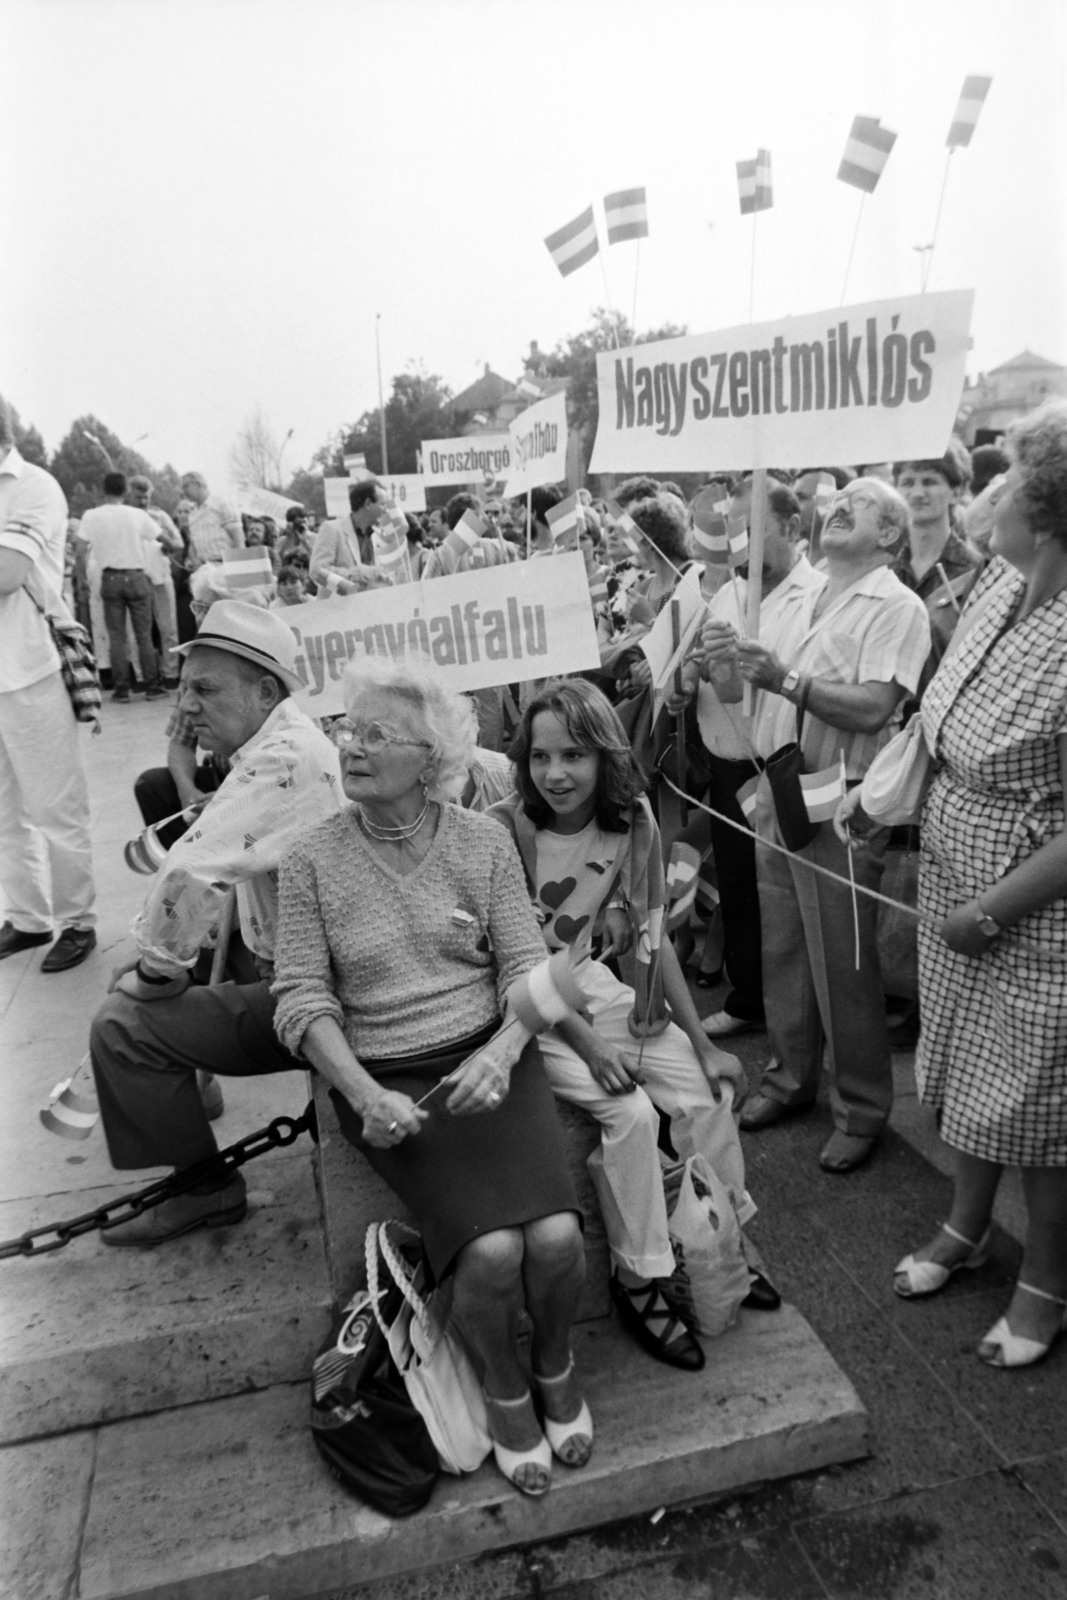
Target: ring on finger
393, 1126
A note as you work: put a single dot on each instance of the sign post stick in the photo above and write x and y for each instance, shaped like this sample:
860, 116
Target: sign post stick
937, 221
529, 523
679, 721
852, 248
755, 567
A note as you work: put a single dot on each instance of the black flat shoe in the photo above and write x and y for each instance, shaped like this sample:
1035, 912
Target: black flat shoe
69, 950
657, 1324
12, 940
762, 1295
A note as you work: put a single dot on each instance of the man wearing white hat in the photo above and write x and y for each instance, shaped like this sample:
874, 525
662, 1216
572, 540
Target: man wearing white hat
157, 1028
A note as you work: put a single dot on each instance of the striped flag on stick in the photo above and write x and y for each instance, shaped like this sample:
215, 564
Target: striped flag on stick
626, 214
825, 489
246, 569
746, 799
711, 541
754, 183
971, 101
737, 536
866, 153
823, 792
683, 875
627, 531
565, 521
575, 244
392, 542
465, 535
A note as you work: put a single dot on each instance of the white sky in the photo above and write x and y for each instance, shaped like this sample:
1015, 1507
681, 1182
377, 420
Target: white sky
207, 201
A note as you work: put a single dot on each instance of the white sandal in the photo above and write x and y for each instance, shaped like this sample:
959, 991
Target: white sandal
511, 1462
571, 1442
927, 1277
1011, 1349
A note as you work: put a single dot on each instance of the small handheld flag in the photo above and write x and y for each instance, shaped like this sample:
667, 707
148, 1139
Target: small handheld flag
246, 569
627, 532
571, 247
746, 799
683, 874
825, 489
547, 994
754, 183
823, 793
465, 535
737, 535
393, 542
711, 540
866, 153
971, 101
626, 214
73, 1109
564, 521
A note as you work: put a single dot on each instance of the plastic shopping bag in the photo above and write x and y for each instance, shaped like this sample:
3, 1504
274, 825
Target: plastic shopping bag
710, 1277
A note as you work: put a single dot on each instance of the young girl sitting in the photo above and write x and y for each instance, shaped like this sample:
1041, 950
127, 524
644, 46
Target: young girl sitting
591, 850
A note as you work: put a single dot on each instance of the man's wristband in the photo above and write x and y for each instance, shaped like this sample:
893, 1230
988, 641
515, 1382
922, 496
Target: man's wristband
154, 980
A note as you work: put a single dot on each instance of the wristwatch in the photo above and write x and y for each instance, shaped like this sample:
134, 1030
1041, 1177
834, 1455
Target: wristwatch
790, 683
986, 924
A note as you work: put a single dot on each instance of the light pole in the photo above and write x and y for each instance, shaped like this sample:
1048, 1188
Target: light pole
381, 402
94, 440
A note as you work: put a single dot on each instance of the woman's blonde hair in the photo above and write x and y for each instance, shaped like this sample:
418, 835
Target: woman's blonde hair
448, 720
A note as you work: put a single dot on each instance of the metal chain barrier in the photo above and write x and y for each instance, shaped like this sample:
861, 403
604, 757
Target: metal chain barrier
215, 1170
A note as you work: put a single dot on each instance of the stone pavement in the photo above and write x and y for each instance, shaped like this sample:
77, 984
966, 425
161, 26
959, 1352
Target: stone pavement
964, 1495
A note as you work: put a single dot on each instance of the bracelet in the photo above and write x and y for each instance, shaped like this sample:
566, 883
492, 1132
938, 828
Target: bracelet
151, 979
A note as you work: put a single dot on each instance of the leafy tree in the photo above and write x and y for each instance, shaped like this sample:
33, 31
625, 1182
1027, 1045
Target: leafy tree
420, 407
306, 486
574, 358
28, 441
88, 451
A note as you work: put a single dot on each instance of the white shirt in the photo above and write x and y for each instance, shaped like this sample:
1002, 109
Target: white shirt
281, 783
33, 522
119, 536
215, 529
783, 616
877, 631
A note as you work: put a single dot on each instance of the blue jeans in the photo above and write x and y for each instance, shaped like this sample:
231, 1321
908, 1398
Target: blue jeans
129, 593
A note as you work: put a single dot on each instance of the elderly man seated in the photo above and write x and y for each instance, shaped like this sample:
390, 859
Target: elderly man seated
157, 1028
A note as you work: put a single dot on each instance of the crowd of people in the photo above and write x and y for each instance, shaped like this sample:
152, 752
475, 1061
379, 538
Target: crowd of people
404, 871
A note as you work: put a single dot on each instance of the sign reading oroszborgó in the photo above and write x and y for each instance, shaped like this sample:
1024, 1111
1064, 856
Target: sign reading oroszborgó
873, 382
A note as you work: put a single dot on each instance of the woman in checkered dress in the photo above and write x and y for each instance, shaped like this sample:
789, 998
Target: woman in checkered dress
992, 1057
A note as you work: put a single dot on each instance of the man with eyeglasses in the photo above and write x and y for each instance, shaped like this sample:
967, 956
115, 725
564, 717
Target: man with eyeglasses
856, 648
159, 1028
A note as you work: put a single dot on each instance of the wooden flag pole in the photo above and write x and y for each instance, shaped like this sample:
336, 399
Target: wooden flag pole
752, 270
529, 523
607, 296
852, 250
937, 221
633, 312
757, 519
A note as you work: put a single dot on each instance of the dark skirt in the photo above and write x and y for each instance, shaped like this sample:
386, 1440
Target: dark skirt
462, 1177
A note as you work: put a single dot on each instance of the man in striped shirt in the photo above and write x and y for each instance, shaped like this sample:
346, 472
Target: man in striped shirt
858, 647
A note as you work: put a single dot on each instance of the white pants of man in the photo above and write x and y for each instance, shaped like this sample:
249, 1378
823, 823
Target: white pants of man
625, 1167
46, 861
166, 617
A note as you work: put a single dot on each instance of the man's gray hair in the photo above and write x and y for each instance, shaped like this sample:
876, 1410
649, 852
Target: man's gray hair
448, 720
893, 507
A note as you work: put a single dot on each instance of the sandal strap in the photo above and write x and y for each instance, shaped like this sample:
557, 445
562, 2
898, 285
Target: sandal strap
560, 1377
972, 1244
1042, 1294
666, 1313
523, 1400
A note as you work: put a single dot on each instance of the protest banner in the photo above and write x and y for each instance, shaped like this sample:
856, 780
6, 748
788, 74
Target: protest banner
538, 445
465, 460
263, 503
408, 489
879, 381
497, 625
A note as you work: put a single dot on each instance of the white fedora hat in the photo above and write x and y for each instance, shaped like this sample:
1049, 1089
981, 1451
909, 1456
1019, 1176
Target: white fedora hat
257, 635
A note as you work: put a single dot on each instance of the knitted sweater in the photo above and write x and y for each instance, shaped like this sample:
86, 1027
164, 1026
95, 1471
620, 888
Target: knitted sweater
404, 963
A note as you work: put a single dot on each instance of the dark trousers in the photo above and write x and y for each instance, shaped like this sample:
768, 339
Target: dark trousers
145, 1058
157, 795
735, 865
129, 593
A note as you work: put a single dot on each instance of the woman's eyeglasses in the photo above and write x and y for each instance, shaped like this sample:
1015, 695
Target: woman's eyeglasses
370, 736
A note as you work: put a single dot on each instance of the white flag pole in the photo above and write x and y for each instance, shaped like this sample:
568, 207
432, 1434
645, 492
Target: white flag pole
937, 220
607, 295
851, 874
755, 568
752, 270
637, 269
852, 251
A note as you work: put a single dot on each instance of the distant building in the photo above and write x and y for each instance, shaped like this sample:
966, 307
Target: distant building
491, 404
990, 404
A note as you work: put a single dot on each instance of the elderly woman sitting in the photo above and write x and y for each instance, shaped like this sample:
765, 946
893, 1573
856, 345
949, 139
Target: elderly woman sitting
403, 922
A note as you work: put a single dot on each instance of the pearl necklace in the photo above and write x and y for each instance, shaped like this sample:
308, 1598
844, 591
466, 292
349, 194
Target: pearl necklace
407, 830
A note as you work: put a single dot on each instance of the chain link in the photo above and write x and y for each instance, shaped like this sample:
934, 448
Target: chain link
217, 1168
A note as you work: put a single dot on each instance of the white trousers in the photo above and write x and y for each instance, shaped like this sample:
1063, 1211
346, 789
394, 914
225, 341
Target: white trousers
625, 1167
46, 861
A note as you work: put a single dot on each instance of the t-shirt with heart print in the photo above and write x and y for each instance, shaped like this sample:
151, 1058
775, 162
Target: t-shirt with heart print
574, 873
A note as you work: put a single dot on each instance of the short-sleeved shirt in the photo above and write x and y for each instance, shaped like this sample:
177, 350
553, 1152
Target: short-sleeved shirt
121, 537
208, 529
33, 522
876, 632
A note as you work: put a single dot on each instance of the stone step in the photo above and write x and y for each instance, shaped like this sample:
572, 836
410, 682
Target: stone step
230, 1501
91, 1333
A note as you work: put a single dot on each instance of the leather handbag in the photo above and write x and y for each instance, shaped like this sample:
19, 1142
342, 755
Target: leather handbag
783, 773
895, 784
429, 1355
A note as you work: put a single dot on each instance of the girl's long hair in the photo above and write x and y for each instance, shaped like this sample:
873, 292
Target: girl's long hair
592, 723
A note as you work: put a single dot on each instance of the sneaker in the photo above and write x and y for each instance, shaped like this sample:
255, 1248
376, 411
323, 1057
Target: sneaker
721, 1025
121, 695
69, 950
